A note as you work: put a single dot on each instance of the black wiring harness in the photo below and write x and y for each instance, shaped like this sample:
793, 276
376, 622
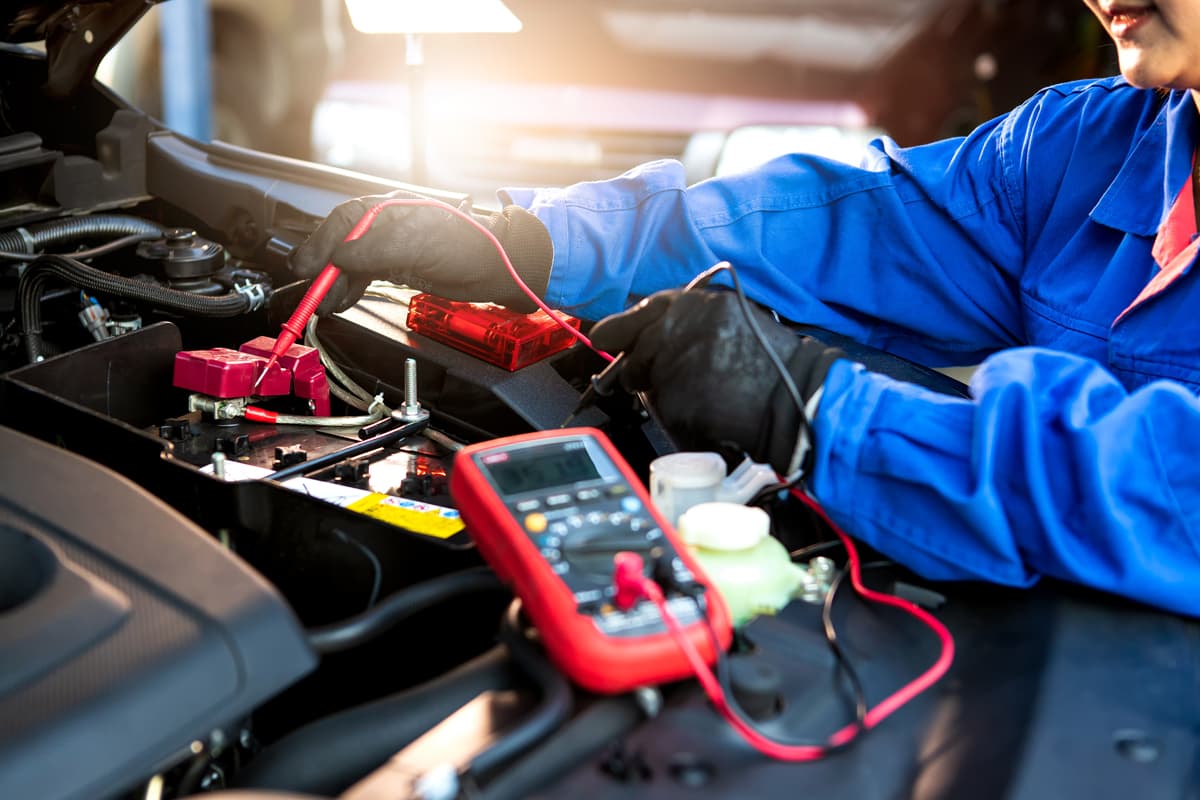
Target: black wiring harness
46, 268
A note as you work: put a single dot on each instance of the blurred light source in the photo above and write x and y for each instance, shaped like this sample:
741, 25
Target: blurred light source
432, 16
415, 18
751, 145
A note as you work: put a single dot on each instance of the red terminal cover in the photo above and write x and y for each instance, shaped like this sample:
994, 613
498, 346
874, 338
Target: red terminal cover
297, 359
224, 373
488, 332
304, 363
313, 386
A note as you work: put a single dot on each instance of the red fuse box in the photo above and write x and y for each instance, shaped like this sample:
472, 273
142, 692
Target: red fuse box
491, 333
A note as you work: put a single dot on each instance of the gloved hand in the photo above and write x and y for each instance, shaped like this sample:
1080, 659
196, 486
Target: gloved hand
708, 377
429, 249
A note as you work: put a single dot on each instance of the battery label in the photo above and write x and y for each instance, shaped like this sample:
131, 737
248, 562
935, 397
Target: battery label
418, 517
426, 519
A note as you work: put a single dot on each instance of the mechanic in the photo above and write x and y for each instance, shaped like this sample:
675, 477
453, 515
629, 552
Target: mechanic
1055, 244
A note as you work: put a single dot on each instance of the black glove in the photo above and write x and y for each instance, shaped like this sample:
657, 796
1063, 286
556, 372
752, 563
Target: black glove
429, 249
710, 380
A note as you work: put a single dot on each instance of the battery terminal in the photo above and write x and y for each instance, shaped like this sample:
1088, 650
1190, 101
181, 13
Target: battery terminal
218, 408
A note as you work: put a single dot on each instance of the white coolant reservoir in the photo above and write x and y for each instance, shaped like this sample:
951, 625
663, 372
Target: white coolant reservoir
734, 546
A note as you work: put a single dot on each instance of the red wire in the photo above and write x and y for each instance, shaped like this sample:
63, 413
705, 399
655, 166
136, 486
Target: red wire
512, 271
708, 681
946, 655
712, 688
888, 706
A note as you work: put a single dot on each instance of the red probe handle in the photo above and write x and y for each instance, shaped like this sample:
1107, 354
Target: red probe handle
307, 307
293, 329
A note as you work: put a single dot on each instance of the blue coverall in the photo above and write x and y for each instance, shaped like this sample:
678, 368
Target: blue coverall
1028, 244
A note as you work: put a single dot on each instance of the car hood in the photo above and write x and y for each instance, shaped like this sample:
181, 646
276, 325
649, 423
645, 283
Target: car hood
77, 34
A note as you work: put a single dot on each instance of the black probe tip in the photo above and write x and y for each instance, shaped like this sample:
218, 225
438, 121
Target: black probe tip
602, 384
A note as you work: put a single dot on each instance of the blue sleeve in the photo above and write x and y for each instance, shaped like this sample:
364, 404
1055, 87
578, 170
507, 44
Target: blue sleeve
916, 251
1052, 469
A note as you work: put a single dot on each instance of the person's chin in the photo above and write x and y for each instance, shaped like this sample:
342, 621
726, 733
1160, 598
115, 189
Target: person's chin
1158, 79
1141, 74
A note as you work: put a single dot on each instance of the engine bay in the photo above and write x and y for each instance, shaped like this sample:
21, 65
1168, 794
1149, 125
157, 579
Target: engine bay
211, 586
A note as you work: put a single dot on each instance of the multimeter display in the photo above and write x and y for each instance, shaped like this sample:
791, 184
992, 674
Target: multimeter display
549, 511
540, 468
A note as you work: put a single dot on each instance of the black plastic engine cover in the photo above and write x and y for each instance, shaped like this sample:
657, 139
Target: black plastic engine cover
126, 632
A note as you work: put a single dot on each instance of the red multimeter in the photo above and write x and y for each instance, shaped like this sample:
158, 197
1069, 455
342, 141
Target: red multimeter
549, 511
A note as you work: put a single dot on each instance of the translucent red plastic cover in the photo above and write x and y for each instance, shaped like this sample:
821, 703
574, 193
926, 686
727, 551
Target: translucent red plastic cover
488, 332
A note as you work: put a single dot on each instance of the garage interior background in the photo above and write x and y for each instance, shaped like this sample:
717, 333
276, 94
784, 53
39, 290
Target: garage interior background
579, 92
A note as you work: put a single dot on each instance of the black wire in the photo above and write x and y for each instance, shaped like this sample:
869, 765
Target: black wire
84, 276
396, 607
376, 567
785, 376
775, 494
831, 638
604, 382
723, 678
703, 278
770, 492
859, 694
698, 282
93, 252
555, 708
789, 383
819, 547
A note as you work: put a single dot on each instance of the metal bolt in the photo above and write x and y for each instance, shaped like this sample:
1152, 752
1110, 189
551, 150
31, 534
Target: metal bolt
218, 465
812, 591
410, 410
822, 567
649, 699
411, 404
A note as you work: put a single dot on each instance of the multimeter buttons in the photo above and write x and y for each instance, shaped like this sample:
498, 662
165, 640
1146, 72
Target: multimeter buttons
550, 511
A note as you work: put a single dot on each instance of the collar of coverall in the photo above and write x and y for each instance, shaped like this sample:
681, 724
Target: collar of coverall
1174, 132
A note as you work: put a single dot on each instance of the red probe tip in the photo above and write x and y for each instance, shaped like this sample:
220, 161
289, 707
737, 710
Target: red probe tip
263, 374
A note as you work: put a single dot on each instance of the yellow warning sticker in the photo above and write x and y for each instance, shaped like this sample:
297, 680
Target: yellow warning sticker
424, 518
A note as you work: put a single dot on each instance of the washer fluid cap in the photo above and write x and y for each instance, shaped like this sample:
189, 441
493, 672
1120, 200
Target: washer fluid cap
724, 526
690, 470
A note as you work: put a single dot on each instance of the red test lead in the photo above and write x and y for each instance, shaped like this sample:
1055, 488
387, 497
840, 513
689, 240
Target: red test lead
293, 329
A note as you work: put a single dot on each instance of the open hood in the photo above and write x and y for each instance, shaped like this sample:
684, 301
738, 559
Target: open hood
77, 34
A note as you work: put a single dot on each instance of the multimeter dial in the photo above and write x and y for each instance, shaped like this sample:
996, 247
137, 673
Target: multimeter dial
580, 525
550, 511
589, 554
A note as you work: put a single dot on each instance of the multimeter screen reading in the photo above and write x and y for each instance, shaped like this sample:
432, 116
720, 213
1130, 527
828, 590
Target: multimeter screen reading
543, 468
